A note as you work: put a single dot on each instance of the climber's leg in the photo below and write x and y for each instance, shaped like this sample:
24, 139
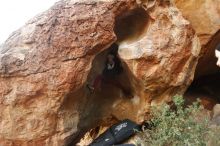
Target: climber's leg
96, 84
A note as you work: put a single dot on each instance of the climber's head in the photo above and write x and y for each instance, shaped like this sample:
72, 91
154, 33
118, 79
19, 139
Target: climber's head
110, 58
112, 54
217, 54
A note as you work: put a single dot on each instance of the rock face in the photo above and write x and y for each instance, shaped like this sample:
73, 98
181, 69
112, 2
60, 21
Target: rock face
204, 15
45, 65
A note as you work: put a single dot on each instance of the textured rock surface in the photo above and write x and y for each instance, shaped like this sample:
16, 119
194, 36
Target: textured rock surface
44, 67
204, 15
162, 57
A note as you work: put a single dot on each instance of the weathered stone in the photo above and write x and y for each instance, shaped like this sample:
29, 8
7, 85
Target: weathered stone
204, 15
45, 65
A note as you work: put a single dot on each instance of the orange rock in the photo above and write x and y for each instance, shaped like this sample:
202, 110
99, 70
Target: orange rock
44, 67
204, 15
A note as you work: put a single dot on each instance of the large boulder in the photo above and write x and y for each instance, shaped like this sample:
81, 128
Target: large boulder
45, 66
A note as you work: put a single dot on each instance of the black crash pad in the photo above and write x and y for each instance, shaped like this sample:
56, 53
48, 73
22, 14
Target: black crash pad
117, 133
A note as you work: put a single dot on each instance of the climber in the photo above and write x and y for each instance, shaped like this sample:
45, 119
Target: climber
113, 68
217, 54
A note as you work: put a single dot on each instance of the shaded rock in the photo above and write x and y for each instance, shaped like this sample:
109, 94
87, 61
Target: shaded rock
206, 101
45, 65
216, 115
216, 110
215, 121
208, 58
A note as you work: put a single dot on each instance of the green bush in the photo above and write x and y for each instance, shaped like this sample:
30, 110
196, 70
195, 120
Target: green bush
177, 125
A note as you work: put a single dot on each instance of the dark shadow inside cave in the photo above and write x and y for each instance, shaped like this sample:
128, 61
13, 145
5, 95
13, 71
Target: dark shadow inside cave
132, 26
95, 108
206, 88
206, 85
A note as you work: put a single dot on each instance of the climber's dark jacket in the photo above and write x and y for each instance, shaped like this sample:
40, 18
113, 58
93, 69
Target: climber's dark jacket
116, 70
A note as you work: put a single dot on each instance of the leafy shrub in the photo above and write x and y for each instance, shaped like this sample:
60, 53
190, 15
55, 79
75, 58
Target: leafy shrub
178, 125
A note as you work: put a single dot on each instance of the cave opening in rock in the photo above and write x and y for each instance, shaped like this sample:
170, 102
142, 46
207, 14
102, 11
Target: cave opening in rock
109, 71
207, 76
102, 103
